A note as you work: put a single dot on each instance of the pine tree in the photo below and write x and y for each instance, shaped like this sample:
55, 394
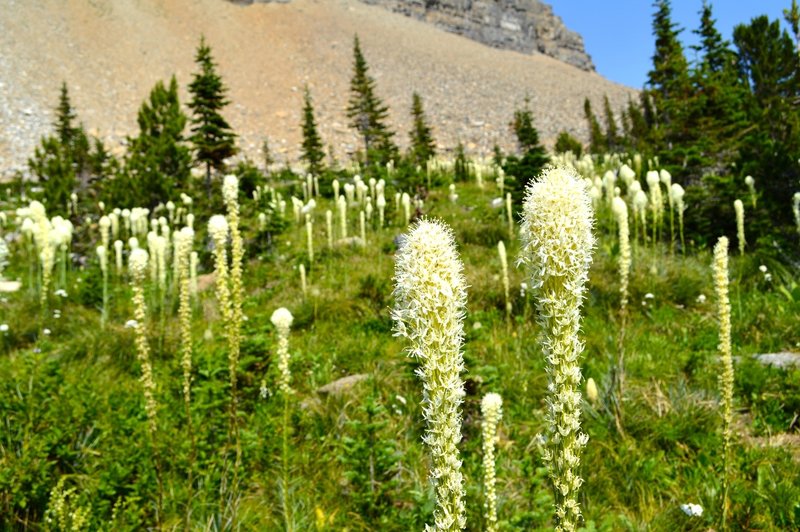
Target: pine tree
521, 170
62, 161
158, 160
368, 114
716, 53
212, 138
65, 116
770, 64
313, 149
792, 18
423, 147
612, 131
668, 81
596, 138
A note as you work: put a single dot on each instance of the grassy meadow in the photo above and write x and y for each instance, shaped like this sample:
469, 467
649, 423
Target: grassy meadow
76, 452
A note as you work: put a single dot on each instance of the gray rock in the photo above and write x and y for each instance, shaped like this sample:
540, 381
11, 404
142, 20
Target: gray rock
343, 385
525, 26
784, 360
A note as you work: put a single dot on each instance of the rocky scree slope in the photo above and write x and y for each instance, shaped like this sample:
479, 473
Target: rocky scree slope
111, 52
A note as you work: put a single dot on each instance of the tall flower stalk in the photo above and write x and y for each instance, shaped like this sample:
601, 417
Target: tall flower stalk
430, 292
102, 256
501, 252
557, 251
138, 268
620, 210
726, 358
230, 193
183, 250
677, 196
282, 320
738, 206
492, 413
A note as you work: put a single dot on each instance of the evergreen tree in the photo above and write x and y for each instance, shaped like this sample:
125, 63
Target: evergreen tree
566, 142
596, 138
266, 155
313, 149
158, 160
212, 138
62, 161
612, 131
368, 114
792, 17
65, 116
423, 147
521, 170
716, 53
668, 81
715, 110
770, 65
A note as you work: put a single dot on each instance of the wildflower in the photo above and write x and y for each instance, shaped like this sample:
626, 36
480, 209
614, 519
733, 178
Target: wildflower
557, 250
762, 269
131, 324
4, 327
138, 266
726, 375
492, 412
430, 294
701, 298
501, 251
620, 209
282, 320
61, 292
738, 206
751, 186
591, 390
692, 510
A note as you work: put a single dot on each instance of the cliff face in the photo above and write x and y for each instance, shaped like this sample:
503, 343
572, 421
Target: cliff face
526, 26
523, 25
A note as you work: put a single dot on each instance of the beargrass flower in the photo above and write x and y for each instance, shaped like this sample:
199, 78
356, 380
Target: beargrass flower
501, 252
492, 413
557, 251
738, 206
620, 209
430, 294
726, 358
138, 266
751, 186
282, 320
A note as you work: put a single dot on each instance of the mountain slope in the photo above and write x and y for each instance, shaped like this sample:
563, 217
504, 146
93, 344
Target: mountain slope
111, 52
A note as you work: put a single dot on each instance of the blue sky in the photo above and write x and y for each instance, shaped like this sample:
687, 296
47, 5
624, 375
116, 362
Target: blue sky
618, 33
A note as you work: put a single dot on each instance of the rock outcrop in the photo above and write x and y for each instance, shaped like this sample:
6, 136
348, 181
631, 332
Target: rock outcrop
525, 26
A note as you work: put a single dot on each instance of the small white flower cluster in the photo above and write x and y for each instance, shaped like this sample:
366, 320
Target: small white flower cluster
647, 297
767, 275
692, 510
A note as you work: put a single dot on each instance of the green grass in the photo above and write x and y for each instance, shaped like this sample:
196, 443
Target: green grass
71, 404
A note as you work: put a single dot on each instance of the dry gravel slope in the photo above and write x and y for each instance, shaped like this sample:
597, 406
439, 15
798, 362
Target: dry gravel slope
111, 52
